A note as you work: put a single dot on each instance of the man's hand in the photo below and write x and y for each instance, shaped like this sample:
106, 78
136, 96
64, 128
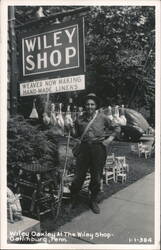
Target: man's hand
107, 142
71, 128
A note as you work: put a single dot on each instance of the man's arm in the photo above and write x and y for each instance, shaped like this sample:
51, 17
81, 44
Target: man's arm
116, 129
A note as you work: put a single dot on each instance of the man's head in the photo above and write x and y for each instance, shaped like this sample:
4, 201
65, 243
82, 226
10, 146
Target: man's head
91, 103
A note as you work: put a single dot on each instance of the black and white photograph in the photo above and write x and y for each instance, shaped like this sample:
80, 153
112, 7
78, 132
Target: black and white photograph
80, 124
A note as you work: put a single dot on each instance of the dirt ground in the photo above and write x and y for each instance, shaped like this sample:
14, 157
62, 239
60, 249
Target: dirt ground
138, 168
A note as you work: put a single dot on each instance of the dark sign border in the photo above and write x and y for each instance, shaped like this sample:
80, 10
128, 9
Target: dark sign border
59, 73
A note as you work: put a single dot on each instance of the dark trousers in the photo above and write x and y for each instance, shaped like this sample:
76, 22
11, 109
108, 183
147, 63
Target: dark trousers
92, 157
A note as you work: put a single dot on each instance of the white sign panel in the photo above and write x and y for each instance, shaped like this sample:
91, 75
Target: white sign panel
57, 85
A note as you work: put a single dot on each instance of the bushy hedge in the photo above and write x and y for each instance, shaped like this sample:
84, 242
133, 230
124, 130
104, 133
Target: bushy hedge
27, 144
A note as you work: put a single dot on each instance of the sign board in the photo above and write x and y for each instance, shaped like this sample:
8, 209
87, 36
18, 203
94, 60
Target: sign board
56, 52
65, 84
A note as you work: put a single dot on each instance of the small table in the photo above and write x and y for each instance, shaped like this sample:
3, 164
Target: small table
36, 186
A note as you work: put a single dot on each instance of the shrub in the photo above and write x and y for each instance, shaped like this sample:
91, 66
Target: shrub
26, 144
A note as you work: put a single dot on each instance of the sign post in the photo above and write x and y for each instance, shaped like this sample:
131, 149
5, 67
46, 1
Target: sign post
13, 61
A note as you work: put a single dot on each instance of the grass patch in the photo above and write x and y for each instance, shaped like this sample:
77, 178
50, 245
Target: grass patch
139, 167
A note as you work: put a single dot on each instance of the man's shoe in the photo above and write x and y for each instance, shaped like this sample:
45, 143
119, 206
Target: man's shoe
95, 208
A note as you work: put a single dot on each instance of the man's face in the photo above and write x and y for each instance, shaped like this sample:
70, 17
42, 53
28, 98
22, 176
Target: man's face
90, 106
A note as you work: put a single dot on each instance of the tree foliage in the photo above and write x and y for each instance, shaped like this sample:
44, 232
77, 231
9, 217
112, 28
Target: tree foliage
27, 144
120, 53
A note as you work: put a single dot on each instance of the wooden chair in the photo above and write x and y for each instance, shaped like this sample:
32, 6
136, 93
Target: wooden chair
120, 173
134, 148
140, 148
122, 161
110, 159
110, 169
145, 150
110, 174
